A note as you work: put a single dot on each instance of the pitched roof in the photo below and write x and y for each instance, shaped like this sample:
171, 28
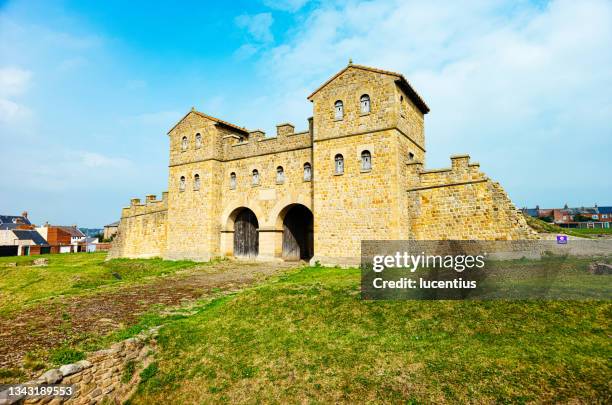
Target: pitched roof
583, 210
401, 81
12, 221
605, 210
210, 117
71, 230
30, 235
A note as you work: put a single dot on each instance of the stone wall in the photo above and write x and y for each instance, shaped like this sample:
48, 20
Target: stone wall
461, 203
101, 377
142, 231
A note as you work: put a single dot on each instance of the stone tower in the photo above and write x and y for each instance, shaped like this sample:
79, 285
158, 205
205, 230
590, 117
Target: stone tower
358, 112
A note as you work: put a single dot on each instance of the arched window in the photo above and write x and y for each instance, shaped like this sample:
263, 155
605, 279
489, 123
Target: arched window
198, 141
338, 110
232, 180
365, 104
196, 182
255, 177
339, 159
184, 143
307, 172
410, 156
366, 160
182, 184
280, 175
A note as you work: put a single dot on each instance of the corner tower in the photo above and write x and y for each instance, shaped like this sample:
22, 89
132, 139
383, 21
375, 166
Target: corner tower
194, 185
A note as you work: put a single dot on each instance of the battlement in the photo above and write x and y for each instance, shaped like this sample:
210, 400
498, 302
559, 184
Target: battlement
149, 206
460, 172
257, 144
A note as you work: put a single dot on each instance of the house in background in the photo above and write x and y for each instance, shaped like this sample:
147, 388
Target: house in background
18, 236
581, 217
66, 238
15, 221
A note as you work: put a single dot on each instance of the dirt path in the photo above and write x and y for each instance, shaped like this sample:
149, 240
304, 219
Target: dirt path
63, 320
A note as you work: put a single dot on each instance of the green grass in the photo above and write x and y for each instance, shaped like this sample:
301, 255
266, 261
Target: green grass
66, 355
588, 231
546, 227
309, 338
73, 274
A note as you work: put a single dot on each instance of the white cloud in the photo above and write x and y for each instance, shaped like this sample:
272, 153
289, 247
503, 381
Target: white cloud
14, 81
257, 25
98, 161
11, 112
245, 51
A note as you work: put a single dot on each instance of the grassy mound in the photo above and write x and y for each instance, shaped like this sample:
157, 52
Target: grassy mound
545, 227
309, 338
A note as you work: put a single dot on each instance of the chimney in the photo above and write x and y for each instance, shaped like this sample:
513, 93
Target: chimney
25, 214
151, 198
74, 226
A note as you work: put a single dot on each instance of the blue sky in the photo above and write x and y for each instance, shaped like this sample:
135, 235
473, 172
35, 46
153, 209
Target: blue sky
89, 89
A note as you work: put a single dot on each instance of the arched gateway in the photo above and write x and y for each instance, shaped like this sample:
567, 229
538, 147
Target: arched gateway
297, 233
246, 234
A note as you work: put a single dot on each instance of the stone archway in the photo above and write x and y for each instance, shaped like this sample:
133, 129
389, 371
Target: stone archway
298, 236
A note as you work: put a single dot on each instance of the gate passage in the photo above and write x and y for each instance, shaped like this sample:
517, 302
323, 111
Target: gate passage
298, 234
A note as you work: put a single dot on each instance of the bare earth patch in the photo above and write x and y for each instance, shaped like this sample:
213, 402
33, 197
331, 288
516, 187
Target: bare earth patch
62, 320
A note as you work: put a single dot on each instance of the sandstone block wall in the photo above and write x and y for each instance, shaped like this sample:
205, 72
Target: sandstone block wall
101, 377
461, 203
142, 231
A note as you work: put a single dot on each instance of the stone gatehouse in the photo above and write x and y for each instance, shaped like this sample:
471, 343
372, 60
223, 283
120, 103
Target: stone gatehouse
356, 173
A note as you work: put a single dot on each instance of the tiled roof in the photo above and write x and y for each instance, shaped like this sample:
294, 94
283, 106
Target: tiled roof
10, 219
71, 230
30, 235
401, 81
583, 210
605, 210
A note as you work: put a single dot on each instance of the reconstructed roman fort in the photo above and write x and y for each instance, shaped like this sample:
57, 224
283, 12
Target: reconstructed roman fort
356, 173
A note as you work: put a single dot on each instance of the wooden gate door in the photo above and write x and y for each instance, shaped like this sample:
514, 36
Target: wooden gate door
246, 238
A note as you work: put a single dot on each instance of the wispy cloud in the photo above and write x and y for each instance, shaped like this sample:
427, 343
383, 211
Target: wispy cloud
257, 25
13, 83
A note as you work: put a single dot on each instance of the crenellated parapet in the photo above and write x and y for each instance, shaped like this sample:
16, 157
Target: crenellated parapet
258, 144
460, 172
150, 205
461, 202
